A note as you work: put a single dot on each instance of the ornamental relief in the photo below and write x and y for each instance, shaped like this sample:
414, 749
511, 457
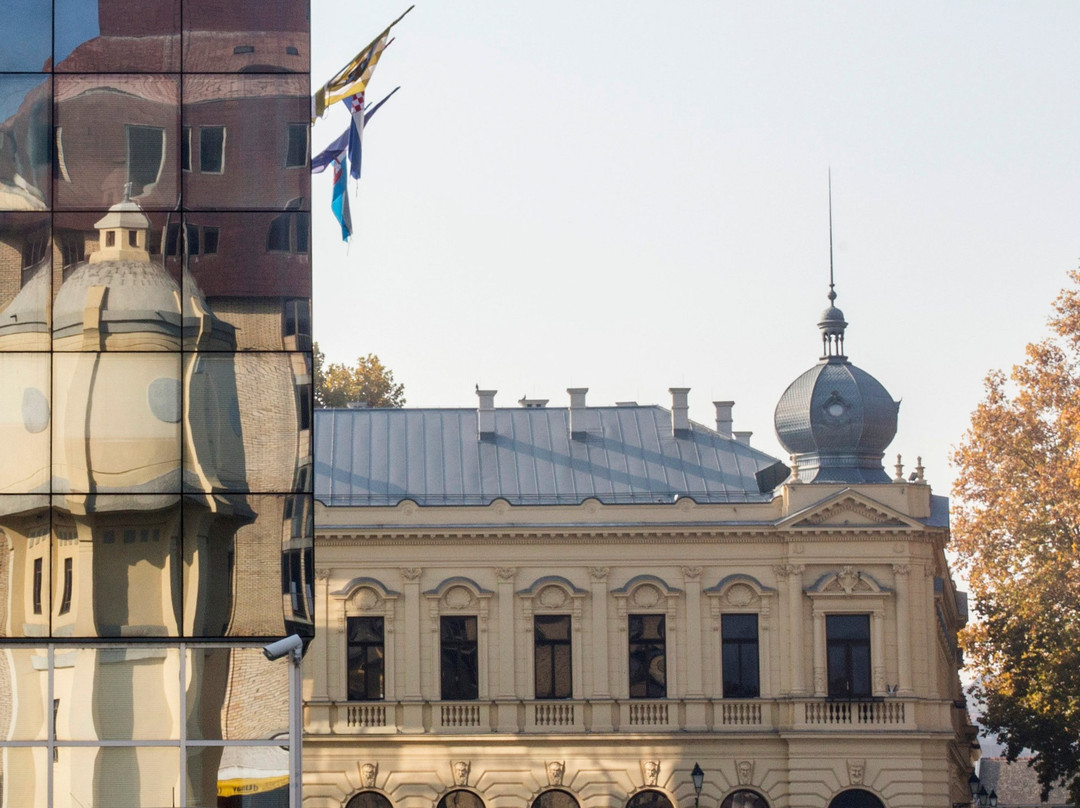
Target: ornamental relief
740, 595
458, 597
552, 597
364, 599
646, 596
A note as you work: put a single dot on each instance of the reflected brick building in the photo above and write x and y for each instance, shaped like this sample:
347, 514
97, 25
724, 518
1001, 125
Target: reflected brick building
155, 504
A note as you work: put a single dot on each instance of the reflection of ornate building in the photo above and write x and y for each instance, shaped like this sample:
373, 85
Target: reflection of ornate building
563, 607
155, 502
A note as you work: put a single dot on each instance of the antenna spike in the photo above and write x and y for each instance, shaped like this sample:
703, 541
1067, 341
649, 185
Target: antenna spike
832, 291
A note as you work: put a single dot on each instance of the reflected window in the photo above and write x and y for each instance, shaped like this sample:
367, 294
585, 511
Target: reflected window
172, 240
191, 236
459, 657
366, 651
744, 799
303, 406
210, 240
289, 232
740, 656
146, 156
368, 799
72, 250
648, 656
61, 169
551, 638
848, 646
459, 798
65, 600
38, 576
212, 149
34, 249
185, 149
110, 238
297, 149
555, 798
292, 583
296, 324
649, 798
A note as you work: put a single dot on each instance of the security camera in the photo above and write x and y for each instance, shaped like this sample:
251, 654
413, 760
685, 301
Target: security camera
279, 648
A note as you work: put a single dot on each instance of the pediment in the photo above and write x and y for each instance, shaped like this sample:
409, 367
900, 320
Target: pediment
849, 509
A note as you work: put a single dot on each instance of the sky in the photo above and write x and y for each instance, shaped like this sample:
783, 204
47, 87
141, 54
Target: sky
630, 196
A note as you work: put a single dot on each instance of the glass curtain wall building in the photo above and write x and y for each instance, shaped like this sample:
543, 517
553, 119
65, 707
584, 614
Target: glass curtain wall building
155, 348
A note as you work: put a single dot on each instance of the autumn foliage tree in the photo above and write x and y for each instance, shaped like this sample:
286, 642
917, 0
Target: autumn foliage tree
1017, 533
368, 382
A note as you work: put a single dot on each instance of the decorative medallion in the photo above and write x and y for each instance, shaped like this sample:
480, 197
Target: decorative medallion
646, 596
740, 595
552, 597
457, 597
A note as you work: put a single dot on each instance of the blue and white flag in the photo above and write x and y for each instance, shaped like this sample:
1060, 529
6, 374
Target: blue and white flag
360, 117
328, 155
339, 202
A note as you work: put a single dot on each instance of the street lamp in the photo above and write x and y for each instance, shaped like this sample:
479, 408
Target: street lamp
979, 797
293, 647
698, 778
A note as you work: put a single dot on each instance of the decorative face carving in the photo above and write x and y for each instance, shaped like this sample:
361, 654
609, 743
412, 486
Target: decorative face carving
651, 769
461, 772
367, 774
856, 770
745, 770
555, 771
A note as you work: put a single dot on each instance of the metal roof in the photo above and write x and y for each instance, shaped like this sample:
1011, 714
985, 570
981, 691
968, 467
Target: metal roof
434, 457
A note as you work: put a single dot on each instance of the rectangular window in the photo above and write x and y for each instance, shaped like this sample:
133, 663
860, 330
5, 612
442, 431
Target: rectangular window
210, 240
296, 151
146, 155
72, 249
185, 149
366, 664
65, 601
648, 656
551, 638
37, 585
460, 659
191, 236
212, 149
848, 650
277, 239
172, 240
110, 238
739, 634
303, 228
296, 324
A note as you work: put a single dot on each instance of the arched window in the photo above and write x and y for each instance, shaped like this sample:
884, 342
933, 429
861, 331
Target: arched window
649, 799
460, 798
368, 799
856, 798
744, 799
555, 798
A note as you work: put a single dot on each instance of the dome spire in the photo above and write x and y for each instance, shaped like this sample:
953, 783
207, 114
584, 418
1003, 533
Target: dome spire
832, 322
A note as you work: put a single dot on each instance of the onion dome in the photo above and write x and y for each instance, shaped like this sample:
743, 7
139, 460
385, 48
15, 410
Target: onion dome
836, 419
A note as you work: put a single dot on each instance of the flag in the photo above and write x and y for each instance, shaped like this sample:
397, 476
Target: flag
360, 116
353, 78
324, 158
339, 202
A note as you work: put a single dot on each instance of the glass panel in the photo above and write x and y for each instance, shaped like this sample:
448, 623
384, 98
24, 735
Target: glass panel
247, 420
649, 799
25, 141
117, 694
116, 777
241, 127
648, 662
25, 773
24, 671
25, 292
242, 282
744, 799
459, 658
116, 566
120, 36
365, 672
238, 776
27, 35
25, 416
236, 694
24, 566
112, 130
270, 36
556, 798
368, 799
461, 799
116, 425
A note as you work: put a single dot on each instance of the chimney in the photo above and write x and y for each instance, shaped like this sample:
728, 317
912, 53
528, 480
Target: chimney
723, 417
485, 413
680, 412
743, 437
581, 420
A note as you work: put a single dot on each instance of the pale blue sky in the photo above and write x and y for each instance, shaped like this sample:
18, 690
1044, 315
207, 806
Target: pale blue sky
631, 196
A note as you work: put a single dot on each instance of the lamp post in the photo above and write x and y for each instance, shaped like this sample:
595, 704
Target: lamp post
697, 776
979, 797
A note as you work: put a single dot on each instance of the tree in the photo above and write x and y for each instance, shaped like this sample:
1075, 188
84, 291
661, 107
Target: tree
1017, 533
369, 382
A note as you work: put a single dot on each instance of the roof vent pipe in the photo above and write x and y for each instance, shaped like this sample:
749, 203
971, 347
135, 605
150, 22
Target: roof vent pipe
723, 417
680, 412
743, 437
579, 414
485, 413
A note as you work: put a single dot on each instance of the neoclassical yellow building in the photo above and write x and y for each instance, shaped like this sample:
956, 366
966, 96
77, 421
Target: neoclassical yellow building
572, 606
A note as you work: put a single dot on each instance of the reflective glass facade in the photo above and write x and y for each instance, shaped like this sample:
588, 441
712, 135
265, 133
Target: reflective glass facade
155, 347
